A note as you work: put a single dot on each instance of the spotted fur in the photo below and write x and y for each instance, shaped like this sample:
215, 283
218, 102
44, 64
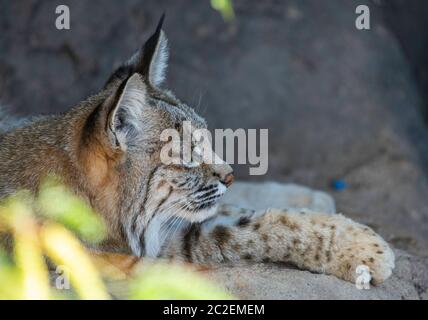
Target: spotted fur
313, 241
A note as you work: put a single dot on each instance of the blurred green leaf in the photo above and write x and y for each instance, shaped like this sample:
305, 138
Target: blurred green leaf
66, 250
24, 275
11, 286
172, 282
5, 259
29, 259
225, 7
58, 203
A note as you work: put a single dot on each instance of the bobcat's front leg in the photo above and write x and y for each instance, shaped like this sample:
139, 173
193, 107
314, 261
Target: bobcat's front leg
317, 242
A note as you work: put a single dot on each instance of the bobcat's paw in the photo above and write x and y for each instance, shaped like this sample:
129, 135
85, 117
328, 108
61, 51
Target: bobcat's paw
364, 277
367, 251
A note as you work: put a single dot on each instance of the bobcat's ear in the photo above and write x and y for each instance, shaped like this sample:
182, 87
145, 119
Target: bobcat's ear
154, 58
124, 120
150, 61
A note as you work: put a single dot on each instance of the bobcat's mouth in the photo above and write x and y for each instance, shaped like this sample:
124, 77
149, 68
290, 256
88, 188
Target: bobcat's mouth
204, 201
207, 196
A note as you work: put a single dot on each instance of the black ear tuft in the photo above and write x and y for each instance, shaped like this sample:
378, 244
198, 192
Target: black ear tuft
149, 48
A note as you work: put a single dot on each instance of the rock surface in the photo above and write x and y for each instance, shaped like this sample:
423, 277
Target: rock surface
267, 281
259, 196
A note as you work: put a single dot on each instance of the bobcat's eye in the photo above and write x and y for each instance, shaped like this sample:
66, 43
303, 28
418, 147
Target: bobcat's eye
151, 147
196, 157
192, 164
195, 161
150, 150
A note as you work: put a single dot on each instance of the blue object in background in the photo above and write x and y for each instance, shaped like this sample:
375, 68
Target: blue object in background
339, 184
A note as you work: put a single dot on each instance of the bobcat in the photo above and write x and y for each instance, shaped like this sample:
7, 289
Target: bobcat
107, 150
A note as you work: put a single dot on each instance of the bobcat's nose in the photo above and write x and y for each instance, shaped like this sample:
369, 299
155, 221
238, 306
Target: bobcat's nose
228, 179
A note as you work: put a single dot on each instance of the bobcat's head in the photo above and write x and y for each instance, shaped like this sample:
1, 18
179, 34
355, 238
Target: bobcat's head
123, 134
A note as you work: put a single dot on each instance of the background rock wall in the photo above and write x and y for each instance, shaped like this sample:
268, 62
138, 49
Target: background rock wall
338, 103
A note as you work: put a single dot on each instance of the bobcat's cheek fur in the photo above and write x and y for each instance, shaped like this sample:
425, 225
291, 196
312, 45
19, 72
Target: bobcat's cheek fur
107, 150
170, 204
